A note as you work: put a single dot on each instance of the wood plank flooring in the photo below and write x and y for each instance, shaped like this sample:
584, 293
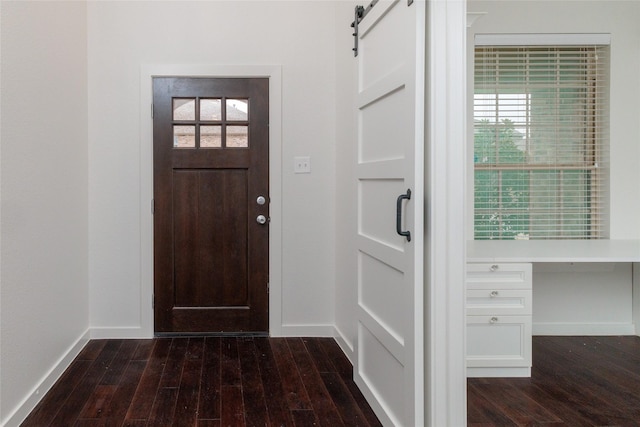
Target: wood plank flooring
244, 381
575, 381
212, 381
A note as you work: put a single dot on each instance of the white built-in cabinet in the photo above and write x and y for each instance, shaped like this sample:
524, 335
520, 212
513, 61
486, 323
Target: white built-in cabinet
499, 319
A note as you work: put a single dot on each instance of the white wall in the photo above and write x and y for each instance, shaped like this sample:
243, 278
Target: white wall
582, 299
299, 36
557, 289
346, 258
44, 291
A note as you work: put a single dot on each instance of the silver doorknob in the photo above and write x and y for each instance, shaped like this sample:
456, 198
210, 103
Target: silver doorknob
261, 219
261, 200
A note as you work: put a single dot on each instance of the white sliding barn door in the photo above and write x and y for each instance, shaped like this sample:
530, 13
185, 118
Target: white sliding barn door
389, 347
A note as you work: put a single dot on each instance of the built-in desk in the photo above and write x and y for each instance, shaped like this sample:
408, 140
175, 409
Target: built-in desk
553, 251
500, 298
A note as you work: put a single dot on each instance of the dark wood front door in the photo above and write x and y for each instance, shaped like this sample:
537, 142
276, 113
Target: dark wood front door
211, 182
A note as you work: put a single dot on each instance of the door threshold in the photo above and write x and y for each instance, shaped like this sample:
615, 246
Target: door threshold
208, 334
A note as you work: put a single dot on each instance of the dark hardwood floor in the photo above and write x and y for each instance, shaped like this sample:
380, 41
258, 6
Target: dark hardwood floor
226, 381
213, 381
575, 381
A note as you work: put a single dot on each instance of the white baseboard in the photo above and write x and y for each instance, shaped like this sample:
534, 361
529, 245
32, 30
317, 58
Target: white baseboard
125, 332
48, 380
324, 331
344, 344
499, 372
134, 332
584, 329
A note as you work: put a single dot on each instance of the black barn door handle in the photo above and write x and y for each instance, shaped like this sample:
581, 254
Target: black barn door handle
402, 197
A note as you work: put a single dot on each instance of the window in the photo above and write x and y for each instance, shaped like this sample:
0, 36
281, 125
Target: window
540, 141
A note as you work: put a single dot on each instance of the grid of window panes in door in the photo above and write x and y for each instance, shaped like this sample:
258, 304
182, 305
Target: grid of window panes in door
540, 142
210, 123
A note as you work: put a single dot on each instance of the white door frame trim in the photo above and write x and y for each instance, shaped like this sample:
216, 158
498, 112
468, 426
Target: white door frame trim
274, 73
445, 364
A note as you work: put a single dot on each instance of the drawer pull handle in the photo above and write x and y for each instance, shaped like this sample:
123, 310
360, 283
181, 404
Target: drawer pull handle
493, 320
494, 294
494, 267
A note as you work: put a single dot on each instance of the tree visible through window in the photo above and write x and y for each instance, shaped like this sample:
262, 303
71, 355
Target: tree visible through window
540, 131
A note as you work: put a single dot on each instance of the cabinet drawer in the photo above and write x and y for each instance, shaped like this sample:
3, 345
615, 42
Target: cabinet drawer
498, 276
499, 301
498, 341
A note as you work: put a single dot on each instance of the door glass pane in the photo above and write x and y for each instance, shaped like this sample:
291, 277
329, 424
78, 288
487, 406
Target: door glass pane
184, 136
237, 136
238, 109
211, 109
184, 109
210, 136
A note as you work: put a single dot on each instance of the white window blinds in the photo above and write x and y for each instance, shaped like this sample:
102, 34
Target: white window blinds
541, 142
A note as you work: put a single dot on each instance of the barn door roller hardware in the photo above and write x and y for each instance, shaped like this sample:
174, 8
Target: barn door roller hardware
360, 13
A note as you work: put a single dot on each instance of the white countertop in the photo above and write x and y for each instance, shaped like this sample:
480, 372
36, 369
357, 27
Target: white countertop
553, 251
